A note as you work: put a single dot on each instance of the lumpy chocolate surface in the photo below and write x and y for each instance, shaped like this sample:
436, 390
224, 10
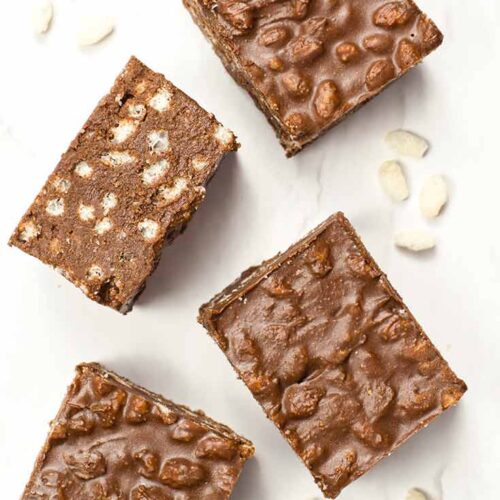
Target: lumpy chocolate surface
129, 182
332, 354
113, 439
308, 63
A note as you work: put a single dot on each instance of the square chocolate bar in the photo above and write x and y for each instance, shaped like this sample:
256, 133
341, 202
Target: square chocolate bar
129, 183
309, 63
327, 347
113, 439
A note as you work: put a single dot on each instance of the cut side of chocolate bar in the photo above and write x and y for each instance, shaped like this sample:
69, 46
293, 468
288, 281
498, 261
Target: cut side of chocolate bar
128, 184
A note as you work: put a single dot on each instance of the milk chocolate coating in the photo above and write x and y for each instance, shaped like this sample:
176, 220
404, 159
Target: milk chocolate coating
327, 347
308, 63
114, 439
129, 183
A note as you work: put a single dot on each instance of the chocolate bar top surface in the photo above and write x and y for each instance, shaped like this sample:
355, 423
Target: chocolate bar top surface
113, 439
128, 183
309, 62
330, 351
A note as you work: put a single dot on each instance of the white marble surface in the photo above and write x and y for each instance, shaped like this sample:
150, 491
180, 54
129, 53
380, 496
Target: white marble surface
258, 204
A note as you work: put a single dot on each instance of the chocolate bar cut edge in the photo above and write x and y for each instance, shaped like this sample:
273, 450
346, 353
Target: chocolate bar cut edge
29, 230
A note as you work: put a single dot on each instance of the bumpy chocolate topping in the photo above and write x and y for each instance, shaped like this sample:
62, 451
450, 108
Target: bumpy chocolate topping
113, 439
308, 63
129, 182
329, 350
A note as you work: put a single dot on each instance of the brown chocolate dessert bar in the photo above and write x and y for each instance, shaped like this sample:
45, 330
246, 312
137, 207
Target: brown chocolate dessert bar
308, 63
129, 183
114, 439
327, 347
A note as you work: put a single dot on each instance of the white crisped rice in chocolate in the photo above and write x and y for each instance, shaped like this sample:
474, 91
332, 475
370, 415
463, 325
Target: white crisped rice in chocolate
103, 226
55, 207
224, 136
29, 230
123, 131
86, 212
62, 185
109, 202
136, 111
117, 158
199, 163
161, 100
148, 228
83, 169
158, 141
171, 194
155, 172
95, 272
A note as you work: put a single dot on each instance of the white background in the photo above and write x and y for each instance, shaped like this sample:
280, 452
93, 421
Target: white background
258, 203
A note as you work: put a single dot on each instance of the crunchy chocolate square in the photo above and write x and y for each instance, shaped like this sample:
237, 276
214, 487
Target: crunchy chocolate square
129, 183
328, 348
309, 63
113, 439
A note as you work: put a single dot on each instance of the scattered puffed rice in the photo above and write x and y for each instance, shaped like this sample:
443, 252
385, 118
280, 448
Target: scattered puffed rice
434, 196
41, 16
406, 143
415, 494
94, 29
393, 180
415, 240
